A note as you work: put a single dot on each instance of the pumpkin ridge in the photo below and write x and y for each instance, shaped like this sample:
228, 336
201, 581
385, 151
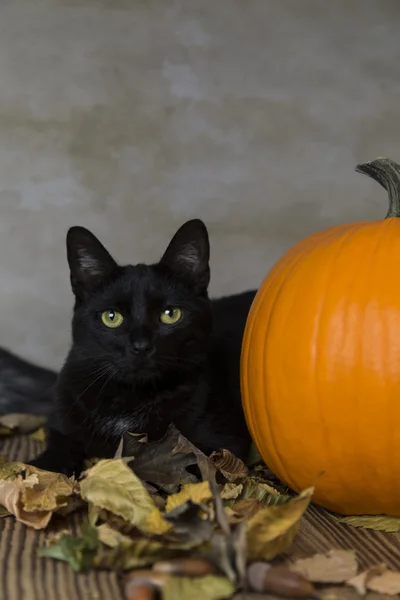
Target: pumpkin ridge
306, 251
340, 243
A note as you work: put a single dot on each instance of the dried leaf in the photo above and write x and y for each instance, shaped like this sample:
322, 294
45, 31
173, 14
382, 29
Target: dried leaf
4, 512
272, 530
134, 554
210, 587
50, 491
10, 499
262, 491
21, 422
386, 583
78, 551
111, 537
39, 435
244, 510
156, 524
198, 493
337, 566
10, 471
33, 499
231, 467
360, 582
158, 462
231, 491
183, 446
113, 486
190, 528
376, 522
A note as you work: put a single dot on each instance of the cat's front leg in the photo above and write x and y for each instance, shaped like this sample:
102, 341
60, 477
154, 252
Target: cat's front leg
63, 454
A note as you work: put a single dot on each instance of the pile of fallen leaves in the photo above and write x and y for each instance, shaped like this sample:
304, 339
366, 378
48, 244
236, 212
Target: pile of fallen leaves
178, 522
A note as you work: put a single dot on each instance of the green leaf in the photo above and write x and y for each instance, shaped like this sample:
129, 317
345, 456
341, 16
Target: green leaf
78, 552
113, 486
4, 512
210, 587
376, 522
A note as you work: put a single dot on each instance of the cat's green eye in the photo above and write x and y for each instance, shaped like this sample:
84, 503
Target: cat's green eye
170, 316
112, 318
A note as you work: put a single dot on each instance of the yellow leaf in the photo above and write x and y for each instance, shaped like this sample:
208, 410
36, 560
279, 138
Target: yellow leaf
376, 522
10, 497
110, 484
155, 524
10, 471
272, 530
35, 497
39, 435
199, 493
111, 537
49, 491
210, 587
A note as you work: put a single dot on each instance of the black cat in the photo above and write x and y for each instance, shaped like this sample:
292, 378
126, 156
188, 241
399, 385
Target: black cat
149, 348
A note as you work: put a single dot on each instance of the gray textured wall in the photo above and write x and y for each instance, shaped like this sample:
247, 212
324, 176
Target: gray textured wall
132, 116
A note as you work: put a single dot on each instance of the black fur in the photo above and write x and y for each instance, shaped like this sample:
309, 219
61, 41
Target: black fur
24, 387
145, 374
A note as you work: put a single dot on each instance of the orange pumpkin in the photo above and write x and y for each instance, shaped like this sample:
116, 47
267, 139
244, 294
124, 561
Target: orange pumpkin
320, 368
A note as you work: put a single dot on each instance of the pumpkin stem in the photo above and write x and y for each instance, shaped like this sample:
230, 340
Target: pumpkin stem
386, 172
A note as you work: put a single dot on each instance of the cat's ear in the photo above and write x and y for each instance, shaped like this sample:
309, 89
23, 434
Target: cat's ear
188, 254
89, 262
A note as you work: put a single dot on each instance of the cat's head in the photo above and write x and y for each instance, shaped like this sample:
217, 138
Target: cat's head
141, 321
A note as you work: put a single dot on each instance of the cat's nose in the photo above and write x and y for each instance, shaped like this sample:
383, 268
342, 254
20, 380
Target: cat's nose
141, 347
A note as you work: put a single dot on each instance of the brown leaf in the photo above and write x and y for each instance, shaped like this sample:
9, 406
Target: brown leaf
272, 530
337, 566
231, 467
161, 463
245, 509
183, 446
21, 422
360, 582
